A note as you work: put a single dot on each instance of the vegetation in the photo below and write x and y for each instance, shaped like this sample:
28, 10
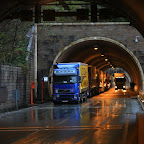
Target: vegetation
14, 42
113, 15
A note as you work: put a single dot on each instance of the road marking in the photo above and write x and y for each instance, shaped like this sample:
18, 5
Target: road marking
61, 128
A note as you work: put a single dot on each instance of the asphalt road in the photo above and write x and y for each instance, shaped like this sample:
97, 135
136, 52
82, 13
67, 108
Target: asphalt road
109, 118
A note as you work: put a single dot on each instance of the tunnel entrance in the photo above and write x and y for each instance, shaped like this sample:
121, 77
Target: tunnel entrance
103, 53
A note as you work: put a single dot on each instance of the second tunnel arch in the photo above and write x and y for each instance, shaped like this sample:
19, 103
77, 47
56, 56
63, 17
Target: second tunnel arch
120, 56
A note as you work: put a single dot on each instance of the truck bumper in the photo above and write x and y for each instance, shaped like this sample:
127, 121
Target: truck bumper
65, 97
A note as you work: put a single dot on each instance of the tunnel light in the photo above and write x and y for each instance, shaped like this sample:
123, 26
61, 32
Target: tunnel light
106, 59
136, 39
95, 48
102, 55
111, 65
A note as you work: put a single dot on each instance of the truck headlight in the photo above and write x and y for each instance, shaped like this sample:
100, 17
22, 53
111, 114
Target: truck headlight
56, 90
57, 96
75, 96
124, 90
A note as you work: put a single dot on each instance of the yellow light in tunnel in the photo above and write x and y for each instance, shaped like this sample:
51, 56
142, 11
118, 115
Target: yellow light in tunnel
111, 65
95, 48
102, 55
106, 59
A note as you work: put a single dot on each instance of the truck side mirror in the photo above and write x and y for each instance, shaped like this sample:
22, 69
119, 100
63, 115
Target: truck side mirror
49, 80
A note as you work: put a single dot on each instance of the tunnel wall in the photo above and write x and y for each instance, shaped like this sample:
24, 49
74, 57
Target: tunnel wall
52, 38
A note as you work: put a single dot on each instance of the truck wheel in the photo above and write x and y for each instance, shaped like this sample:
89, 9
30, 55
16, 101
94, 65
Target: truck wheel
78, 101
85, 97
55, 103
81, 98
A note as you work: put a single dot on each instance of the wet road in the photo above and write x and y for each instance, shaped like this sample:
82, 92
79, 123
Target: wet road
109, 118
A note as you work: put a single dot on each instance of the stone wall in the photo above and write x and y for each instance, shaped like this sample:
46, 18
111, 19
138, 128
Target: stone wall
11, 78
16, 78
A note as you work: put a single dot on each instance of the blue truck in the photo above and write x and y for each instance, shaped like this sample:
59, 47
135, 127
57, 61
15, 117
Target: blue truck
70, 82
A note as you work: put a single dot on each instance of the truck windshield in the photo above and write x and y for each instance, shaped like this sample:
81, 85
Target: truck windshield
120, 79
65, 79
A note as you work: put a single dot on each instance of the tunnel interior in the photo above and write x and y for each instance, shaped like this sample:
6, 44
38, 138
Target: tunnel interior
110, 54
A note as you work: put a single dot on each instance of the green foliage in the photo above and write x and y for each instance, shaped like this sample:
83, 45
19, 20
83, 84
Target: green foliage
13, 43
81, 5
60, 8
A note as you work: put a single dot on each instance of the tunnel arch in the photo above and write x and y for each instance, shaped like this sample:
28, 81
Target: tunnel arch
132, 62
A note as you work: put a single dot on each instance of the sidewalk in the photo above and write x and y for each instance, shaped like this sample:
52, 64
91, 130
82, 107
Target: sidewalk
140, 119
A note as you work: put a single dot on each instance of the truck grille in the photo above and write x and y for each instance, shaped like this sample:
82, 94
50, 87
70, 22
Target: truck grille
65, 91
66, 97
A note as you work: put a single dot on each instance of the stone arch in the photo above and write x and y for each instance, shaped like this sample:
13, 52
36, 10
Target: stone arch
106, 40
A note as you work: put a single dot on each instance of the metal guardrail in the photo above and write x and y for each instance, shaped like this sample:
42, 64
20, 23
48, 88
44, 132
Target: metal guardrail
141, 98
141, 95
140, 118
141, 92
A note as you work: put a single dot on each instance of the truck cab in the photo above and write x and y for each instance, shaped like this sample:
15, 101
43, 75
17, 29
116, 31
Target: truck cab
70, 82
120, 81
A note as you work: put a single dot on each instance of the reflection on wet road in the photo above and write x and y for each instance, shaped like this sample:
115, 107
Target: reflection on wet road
109, 118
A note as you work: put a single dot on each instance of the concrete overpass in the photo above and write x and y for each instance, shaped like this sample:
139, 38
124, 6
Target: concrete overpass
133, 10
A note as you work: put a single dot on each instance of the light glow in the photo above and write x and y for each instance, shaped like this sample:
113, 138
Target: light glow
95, 48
